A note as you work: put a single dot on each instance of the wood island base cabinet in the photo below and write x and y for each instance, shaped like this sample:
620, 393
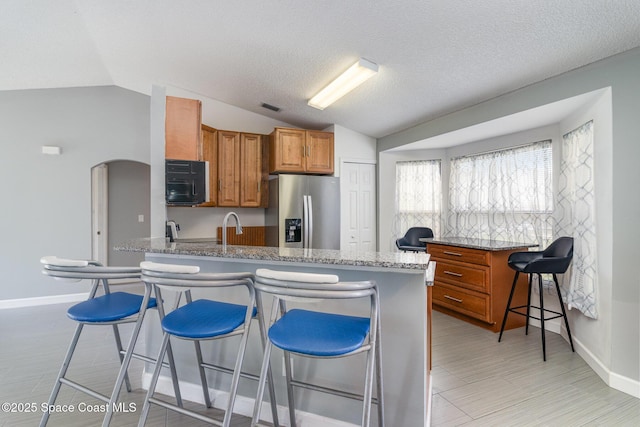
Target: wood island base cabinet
474, 285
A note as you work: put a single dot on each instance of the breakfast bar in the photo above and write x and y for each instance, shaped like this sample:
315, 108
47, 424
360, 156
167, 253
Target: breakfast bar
401, 279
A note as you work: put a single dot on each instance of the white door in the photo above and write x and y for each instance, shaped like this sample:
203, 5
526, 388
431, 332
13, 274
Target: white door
358, 205
99, 209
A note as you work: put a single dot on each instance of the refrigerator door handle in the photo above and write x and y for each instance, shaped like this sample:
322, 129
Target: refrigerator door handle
305, 222
310, 219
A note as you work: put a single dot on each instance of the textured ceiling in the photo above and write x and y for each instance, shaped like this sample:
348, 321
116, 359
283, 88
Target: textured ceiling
435, 56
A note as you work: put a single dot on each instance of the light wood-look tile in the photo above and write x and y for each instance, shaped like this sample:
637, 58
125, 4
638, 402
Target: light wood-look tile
480, 382
476, 380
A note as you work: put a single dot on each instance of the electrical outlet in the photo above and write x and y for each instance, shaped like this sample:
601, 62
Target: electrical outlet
140, 218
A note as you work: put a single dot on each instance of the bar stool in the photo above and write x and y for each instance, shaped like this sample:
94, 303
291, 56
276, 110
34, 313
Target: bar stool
110, 308
555, 259
320, 335
202, 319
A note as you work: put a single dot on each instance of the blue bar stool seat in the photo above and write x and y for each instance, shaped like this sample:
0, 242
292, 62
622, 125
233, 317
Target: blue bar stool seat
319, 334
201, 319
110, 309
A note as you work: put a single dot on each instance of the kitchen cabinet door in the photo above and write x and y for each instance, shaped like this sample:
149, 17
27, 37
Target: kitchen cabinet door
228, 168
253, 182
210, 154
182, 129
319, 156
287, 150
301, 151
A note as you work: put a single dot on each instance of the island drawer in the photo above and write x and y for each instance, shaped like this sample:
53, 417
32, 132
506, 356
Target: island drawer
454, 253
470, 303
469, 276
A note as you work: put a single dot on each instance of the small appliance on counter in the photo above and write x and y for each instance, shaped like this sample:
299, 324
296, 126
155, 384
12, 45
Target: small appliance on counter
172, 230
186, 182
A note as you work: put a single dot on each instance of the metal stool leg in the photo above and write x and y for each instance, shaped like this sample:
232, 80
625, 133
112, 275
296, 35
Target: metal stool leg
380, 388
116, 334
154, 380
544, 349
62, 373
564, 313
126, 360
526, 327
290, 395
506, 311
270, 383
203, 375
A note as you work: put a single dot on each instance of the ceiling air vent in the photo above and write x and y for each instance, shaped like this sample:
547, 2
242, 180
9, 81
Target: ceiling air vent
270, 107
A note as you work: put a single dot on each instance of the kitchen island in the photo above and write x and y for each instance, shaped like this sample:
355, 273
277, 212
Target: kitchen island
473, 280
401, 283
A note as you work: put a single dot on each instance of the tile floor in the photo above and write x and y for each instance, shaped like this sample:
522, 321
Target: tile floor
477, 381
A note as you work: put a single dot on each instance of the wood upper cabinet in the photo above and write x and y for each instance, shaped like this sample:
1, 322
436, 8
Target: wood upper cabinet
210, 155
319, 158
183, 139
228, 168
242, 170
301, 151
253, 165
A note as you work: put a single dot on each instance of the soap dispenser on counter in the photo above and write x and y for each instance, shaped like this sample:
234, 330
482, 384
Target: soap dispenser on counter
172, 230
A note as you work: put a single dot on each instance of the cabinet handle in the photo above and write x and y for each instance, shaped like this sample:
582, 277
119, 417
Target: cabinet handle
451, 273
258, 186
219, 185
309, 155
453, 299
452, 253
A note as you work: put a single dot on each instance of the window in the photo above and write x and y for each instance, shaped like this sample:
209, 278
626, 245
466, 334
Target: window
503, 195
418, 196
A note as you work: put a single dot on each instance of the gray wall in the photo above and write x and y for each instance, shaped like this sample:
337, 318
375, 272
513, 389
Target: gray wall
129, 190
621, 74
46, 200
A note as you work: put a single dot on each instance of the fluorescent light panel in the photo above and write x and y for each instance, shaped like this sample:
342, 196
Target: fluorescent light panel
357, 74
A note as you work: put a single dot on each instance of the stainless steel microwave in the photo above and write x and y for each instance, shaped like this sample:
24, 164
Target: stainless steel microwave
186, 182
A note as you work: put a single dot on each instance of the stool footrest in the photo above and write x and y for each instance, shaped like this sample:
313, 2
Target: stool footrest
84, 389
229, 371
183, 411
330, 390
513, 310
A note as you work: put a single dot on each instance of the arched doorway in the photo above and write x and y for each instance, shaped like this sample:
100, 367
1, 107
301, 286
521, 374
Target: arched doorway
120, 209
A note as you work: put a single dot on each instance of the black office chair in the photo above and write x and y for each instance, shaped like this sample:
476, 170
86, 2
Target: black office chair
410, 241
555, 259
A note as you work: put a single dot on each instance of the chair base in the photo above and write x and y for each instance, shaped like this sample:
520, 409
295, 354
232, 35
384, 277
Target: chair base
541, 308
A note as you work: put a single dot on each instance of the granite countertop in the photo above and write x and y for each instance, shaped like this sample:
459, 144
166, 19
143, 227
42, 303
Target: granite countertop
391, 260
487, 245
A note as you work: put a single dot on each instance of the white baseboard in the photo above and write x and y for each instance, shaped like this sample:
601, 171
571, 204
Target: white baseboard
35, 301
243, 405
613, 380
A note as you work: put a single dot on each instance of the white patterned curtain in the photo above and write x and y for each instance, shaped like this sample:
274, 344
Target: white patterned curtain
418, 197
575, 217
503, 195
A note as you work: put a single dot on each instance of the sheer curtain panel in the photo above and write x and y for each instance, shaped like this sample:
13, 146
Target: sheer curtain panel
575, 217
503, 195
418, 197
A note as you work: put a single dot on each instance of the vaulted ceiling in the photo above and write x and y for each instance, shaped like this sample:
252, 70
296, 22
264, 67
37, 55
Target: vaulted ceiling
435, 56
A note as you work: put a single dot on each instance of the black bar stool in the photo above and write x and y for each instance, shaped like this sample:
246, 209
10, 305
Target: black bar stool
555, 259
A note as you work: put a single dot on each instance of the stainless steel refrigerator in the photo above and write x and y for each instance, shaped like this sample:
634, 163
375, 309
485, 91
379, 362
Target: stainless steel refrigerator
303, 212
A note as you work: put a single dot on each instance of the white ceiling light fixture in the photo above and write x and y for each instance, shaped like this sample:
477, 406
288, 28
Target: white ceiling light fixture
355, 75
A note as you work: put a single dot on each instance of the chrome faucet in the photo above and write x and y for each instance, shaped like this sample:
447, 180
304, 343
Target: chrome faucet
224, 228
